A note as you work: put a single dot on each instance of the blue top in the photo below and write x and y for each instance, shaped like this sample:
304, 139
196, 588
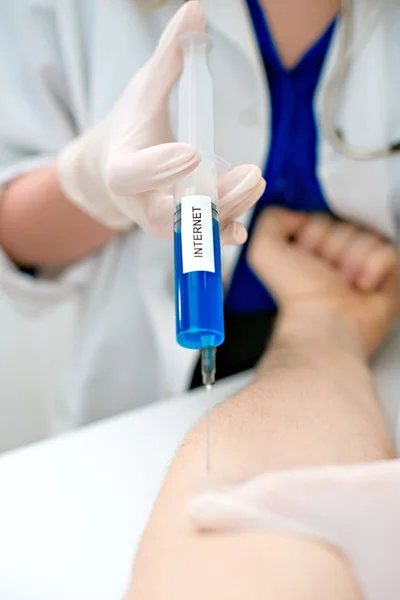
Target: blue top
290, 169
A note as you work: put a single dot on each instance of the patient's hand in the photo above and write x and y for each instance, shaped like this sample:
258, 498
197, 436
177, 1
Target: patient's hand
314, 263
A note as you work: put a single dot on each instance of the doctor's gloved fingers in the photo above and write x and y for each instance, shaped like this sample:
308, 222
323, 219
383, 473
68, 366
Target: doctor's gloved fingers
153, 212
233, 234
190, 17
238, 191
165, 66
151, 168
316, 494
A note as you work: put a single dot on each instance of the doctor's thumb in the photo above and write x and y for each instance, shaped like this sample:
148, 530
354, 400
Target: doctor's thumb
166, 64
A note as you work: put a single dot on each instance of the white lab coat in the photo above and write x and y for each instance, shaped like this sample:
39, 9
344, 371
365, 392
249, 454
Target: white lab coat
98, 338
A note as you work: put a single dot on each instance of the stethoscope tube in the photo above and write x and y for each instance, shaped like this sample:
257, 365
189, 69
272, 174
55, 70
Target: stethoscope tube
332, 94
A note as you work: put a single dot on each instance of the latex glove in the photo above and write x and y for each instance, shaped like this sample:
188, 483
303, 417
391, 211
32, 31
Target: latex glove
355, 508
120, 170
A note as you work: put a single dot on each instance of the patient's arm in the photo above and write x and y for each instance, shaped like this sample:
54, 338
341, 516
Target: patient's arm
312, 402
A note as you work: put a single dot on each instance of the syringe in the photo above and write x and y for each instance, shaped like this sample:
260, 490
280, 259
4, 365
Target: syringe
198, 278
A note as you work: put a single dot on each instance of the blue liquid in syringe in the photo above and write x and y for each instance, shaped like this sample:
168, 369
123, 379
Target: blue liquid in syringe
198, 298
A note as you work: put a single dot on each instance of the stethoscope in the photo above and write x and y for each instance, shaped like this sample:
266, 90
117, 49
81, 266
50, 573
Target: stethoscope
332, 98
333, 91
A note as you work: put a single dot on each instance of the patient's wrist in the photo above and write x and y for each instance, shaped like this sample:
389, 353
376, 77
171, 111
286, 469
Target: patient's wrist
313, 332
322, 326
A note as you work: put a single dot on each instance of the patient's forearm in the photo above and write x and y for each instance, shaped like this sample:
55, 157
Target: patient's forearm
313, 402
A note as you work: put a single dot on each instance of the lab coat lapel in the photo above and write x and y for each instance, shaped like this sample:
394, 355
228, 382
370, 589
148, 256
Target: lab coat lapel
242, 120
232, 19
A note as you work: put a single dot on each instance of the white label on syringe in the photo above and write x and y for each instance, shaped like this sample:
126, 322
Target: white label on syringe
197, 234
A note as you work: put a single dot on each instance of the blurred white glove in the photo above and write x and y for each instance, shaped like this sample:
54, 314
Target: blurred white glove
120, 170
355, 508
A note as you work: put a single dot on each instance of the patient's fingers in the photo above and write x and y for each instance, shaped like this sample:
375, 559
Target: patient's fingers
341, 239
280, 224
377, 267
269, 253
363, 257
315, 230
358, 253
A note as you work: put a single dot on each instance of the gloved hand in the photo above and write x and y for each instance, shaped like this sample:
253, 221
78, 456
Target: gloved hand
355, 508
119, 171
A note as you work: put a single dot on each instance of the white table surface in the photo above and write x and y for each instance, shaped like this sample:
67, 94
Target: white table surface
72, 509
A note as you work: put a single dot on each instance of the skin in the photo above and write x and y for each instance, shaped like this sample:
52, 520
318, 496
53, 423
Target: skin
39, 226
312, 402
360, 258
295, 35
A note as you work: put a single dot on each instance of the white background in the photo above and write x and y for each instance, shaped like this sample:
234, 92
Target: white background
72, 509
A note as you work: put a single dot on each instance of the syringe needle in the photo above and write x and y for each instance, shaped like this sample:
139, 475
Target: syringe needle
208, 375
208, 434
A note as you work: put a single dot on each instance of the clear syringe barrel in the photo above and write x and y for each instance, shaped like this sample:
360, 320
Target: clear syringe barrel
198, 277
